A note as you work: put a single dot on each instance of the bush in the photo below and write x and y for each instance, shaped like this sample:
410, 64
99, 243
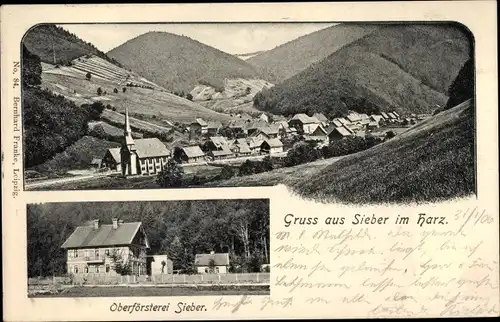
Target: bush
99, 91
88, 76
227, 172
171, 175
189, 97
390, 134
301, 153
115, 90
124, 89
114, 108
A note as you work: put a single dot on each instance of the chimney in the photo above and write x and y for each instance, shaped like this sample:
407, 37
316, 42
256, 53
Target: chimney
115, 223
96, 223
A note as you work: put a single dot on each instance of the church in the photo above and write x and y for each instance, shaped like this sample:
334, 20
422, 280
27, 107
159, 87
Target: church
141, 156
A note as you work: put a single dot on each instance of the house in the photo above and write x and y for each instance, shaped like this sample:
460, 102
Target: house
215, 143
253, 126
353, 117
344, 121
254, 144
112, 159
322, 118
283, 127
160, 264
142, 156
96, 163
319, 135
385, 116
392, 116
271, 146
213, 127
266, 132
192, 154
364, 116
213, 263
198, 127
95, 248
336, 122
303, 123
372, 125
238, 126
223, 153
264, 117
379, 119
240, 147
338, 133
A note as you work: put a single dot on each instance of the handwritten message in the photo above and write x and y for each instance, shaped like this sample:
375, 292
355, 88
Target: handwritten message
418, 265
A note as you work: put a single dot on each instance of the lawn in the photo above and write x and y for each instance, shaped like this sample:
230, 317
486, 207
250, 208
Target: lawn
124, 291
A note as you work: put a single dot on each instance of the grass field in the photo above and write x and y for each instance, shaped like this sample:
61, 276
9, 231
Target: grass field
157, 291
72, 84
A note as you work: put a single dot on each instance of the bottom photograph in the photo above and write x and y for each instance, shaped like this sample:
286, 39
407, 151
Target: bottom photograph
148, 248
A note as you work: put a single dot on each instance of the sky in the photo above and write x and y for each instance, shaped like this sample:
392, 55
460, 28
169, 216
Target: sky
234, 38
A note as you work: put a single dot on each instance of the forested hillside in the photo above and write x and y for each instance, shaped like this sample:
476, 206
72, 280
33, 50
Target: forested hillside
50, 122
180, 229
179, 63
407, 68
293, 57
49, 40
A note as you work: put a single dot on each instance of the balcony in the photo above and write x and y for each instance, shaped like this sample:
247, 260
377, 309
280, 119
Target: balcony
94, 259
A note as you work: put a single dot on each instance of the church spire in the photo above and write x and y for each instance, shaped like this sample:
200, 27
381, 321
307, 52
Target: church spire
128, 131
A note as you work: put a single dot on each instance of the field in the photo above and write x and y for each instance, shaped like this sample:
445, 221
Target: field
121, 291
72, 84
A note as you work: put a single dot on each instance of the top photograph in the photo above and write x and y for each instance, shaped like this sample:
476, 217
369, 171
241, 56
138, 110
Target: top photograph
355, 113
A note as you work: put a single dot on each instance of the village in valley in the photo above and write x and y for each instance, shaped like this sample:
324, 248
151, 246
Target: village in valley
248, 138
148, 115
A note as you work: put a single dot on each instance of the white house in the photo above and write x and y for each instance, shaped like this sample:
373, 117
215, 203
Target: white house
212, 263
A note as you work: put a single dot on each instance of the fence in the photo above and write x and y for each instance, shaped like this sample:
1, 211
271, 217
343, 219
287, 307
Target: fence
163, 279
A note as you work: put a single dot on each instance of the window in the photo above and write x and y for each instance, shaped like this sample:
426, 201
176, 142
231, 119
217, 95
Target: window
75, 252
86, 269
107, 268
97, 269
206, 270
107, 251
75, 269
97, 253
217, 269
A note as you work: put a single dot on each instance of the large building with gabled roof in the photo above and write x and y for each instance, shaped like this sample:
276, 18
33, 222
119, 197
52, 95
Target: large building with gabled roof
141, 156
95, 248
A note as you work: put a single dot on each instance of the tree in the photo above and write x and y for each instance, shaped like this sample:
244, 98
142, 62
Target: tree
211, 265
99, 91
88, 76
32, 68
171, 175
163, 264
94, 110
124, 89
119, 264
115, 90
248, 90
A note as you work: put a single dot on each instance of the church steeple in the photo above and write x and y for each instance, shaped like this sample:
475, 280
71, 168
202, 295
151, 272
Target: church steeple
127, 133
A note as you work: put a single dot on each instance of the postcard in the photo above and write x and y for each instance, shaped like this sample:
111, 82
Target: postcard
250, 161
